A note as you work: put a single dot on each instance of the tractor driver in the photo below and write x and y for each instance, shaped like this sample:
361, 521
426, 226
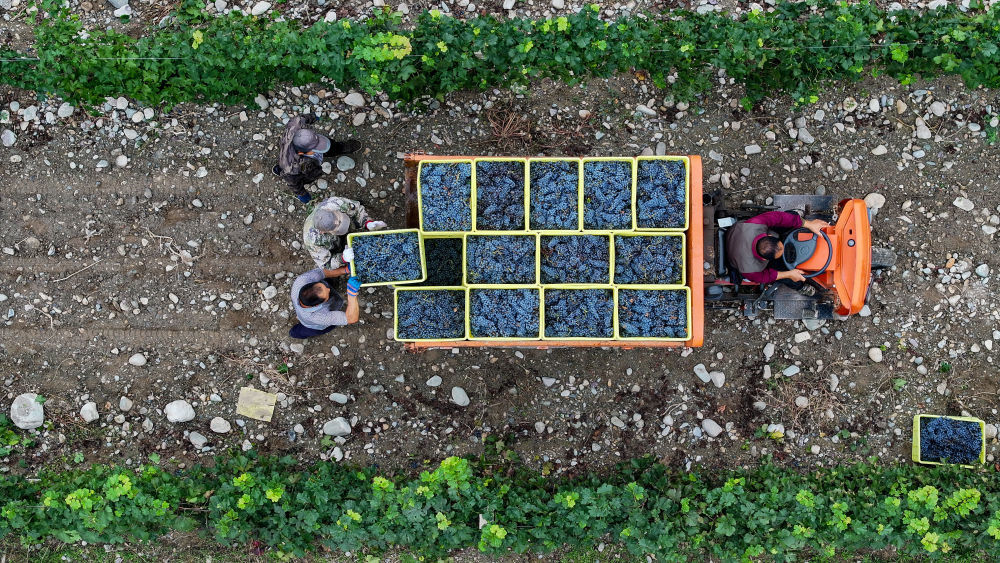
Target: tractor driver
753, 245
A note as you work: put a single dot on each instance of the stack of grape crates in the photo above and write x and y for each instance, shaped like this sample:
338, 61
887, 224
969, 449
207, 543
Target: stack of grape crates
541, 249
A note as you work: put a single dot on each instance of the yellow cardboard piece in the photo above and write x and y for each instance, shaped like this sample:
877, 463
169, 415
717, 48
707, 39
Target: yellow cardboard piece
256, 404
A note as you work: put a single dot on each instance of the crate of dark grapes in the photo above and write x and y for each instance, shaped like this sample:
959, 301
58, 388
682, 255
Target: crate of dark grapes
501, 194
444, 195
574, 258
653, 313
940, 440
504, 313
650, 259
578, 313
508, 258
662, 188
444, 257
388, 257
429, 314
608, 188
554, 194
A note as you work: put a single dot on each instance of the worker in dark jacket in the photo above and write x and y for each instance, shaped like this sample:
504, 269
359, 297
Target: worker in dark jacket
301, 153
752, 245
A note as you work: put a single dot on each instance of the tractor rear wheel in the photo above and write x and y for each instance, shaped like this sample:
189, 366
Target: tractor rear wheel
882, 258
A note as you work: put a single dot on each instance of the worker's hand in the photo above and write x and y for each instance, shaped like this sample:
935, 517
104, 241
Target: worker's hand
353, 286
375, 225
815, 225
794, 275
348, 254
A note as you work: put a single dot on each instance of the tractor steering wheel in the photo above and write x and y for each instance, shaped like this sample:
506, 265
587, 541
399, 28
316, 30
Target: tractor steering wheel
798, 251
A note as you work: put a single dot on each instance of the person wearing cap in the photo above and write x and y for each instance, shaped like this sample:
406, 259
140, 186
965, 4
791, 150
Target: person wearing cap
318, 308
301, 154
325, 231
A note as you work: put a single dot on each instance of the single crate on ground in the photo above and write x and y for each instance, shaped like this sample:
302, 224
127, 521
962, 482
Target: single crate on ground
500, 204
445, 195
387, 257
649, 259
607, 193
575, 259
653, 313
503, 313
430, 314
554, 194
661, 193
443, 258
579, 313
948, 440
500, 259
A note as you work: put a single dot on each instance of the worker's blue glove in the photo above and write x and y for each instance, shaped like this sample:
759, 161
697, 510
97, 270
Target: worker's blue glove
353, 285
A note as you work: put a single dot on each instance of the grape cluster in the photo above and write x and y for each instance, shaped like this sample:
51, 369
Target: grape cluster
648, 260
554, 195
575, 259
386, 257
607, 194
500, 259
660, 313
584, 313
947, 440
445, 195
444, 261
504, 313
660, 194
431, 313
500, 195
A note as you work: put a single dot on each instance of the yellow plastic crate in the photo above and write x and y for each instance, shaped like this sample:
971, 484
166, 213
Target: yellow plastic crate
468, 314
395, 308
582, 205
460, 236
915, 451
465, 253
687, 193
420, 241
687, 328
579, 188
682, 257
611, 253
475, 188
614, 311
472, 191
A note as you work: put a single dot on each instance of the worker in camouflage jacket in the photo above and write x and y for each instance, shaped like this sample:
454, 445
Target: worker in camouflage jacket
325, 231
301, 154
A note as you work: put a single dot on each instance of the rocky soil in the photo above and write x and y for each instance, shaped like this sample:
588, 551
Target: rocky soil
147, 258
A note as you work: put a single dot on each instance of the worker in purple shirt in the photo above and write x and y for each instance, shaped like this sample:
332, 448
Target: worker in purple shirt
753, 244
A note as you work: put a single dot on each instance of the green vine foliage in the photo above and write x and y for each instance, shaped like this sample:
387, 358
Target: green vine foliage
500, 507
795, 50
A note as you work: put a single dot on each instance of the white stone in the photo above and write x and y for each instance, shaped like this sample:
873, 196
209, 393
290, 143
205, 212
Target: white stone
752, 149
337, 427
354, 99
702, 372
801, 402
270, 292
991, 431
922, 131
875, 354
539, 427
220, 425
718, 378
65, 110
8, 138
459, 396
559, 4
125, 404
874, 201
197, 439
845, 164
938, 108
805, 136
339, 398
790, 371
434, 381
509, 4
801, 337
26, 412
138, 359
879, 150
121, 161
259, 8
711, 427
645, 110
297, 347
345, 163
768, 350
179, 411
261, 101
89, 412
982, 270
963, 203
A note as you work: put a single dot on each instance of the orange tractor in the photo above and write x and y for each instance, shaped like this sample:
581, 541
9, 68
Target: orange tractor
838, 263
